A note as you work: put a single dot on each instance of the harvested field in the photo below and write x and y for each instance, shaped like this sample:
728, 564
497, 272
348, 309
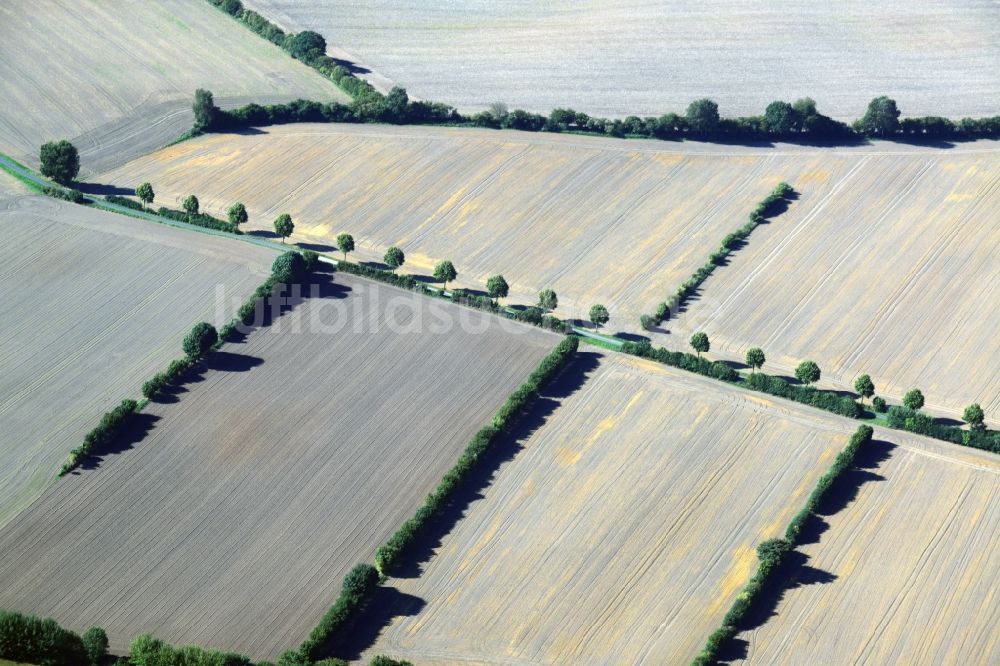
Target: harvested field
232, 524
623, 529
94, 304
918, 549
891, 276
118, 78
611, 221
647, 57
624, 222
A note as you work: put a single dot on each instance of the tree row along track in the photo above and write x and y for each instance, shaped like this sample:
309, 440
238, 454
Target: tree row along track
889, 278
618, 222
610, 536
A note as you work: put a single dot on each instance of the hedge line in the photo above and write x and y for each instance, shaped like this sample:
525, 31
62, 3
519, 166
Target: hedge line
148, 651
200, 220
358, 585
64, 193
388, 556
288, 267
771, 552
905, 418
775, 386
461, 296
106, 431
30, 639
781, 193
368, 105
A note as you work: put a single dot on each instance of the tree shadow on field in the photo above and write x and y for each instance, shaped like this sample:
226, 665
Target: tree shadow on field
504, 450
351, 66
215, 361
101, 189
139, 426
262, 233
794, 571
630, 337
361, 632
317, 247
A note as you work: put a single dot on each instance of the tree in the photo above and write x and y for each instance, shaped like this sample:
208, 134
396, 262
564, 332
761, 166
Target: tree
445, 272
864, 386
913, 399
288, 267
881, 118
145, 193
205, 111
498, 110
191, 204
283, 226
394, 258
301, 43
396, 104
599, 315
238, 214
780, 117
699, 342
382, 660
755, 358
973, 415
807, 372
547, 300
60, 161
201, 338
497, 287
345, 242
703, 115
95, 642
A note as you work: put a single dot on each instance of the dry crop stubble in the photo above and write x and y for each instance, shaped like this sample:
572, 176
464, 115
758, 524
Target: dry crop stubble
893, 276
624, 528
918, 549
118, 78
648, 57
232, 524
611, 221
94, 304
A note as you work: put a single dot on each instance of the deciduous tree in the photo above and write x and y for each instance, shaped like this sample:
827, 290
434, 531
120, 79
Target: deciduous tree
191, 204
201, 338
974, 416
755, 358
345, 243
547, 300
807, 372
913, 399
445, 272
283, 226
60, 161
699, 342
599, 315
394, 258
703, 115
238, 214
864, 386
145, 193
497, 287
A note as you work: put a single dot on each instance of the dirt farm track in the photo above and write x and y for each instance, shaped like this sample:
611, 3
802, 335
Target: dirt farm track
885, 239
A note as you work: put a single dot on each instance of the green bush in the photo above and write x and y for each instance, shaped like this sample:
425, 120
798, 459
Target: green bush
149, 651
879, 404
66, 194
200, 340
289, 267
30, 639
97, 440
357, 587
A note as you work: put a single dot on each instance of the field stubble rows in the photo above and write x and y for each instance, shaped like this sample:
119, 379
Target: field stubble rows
232, 524
614, 536
118, 79
878, 253
94, 304
918, 549
648, 57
